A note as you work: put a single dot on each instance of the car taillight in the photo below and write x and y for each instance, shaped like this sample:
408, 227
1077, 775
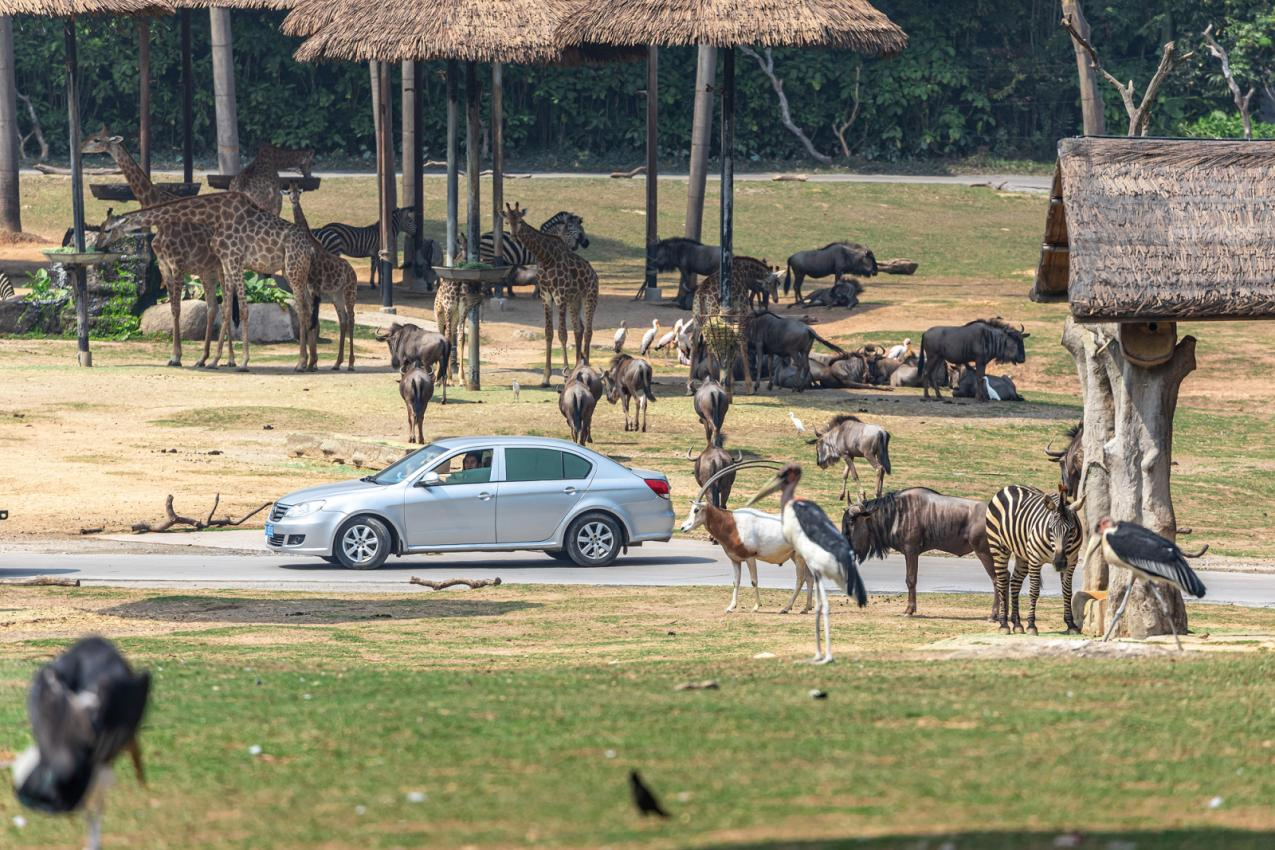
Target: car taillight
659, 485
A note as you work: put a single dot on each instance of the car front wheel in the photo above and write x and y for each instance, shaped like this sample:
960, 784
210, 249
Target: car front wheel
363, 543
594, 540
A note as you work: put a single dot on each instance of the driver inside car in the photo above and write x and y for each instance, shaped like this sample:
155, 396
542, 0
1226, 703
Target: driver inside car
475, 469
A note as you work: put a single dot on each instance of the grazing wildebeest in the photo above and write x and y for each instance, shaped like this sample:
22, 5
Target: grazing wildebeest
587, 375
995, 387
416, 386
412, 342
711, 401
775, 337
688, 256
1071, 461
848, 437
629, 378
844, 293
979, 342
712, 460
835, 258
577, 403
915, 521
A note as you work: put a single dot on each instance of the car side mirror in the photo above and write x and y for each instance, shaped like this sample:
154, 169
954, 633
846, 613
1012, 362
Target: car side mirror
429, 479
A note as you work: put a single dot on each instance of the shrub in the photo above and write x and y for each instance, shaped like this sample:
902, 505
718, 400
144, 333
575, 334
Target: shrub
1224, 125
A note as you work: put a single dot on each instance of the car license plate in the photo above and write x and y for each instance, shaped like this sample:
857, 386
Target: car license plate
269, 530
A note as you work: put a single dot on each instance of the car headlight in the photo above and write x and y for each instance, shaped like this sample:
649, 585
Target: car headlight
304, 509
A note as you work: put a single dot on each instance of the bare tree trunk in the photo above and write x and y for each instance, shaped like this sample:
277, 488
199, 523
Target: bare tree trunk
1128, 444
1243, 102
10, 197
701, 135
1091, 106
843, 127
223, 57
785, 115
144, 95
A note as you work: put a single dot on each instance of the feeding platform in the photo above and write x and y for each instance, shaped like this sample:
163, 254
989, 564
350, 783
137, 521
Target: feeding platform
489, 274
287, 181
123, 193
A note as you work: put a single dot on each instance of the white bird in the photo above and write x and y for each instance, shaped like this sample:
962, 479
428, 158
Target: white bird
620, 334
517, 389
797, 423
669, 338
649, 337
818, 543
899, 352
85, 707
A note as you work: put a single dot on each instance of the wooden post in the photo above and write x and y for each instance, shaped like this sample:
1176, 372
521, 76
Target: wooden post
408, 189
701, 132
728, 171
422, 271
144, 94
385, 175
77, 271
453, 167
497, 161
473, 119
1091, 106
188, 102
223, 59
10, 194
652, 164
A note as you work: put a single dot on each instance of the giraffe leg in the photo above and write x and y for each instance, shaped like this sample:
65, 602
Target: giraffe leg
243, 324
548, 305
579, 332
175, 305
211, 279
304, 307
223, 338
590, 305
562, 335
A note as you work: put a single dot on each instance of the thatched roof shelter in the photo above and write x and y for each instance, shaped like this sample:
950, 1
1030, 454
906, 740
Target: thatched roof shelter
1163, 229
850, 24
76, 8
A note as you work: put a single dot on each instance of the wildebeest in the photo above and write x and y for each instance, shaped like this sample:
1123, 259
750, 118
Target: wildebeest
772, 336
835, 258
979, 342
412, 342
688, 256
711, 401
843, 293
915, 521
848, 437
629, 378
712, 460
577, 404
587, 375
1071, 461
995, 387
416, 386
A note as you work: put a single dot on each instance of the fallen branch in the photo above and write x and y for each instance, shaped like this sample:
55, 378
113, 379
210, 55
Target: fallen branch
452, 582
173, 518
95, 530
633, 172
45, 168
796, 178
40, 581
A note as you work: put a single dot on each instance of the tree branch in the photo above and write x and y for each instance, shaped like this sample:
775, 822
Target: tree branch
840, 129
768, 68
1242, 101
452, 582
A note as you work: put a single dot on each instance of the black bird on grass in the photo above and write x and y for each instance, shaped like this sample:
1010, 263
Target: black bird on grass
85, 709
1149, 557
643, 798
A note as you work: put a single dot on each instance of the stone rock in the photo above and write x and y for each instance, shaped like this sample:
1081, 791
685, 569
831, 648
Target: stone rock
159, 320
269, 323
19, 316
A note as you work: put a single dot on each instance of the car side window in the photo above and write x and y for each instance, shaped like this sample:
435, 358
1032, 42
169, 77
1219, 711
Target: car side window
533, 464
471, 467
575, 467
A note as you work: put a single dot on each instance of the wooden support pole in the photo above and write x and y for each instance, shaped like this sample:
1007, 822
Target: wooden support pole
421, 270
473, 220
701, 133
385, 173
144, 94
497, 161
188, 101
728, 172
10, 184
453, 166
410, 162
652, 162
78, 272
227, 113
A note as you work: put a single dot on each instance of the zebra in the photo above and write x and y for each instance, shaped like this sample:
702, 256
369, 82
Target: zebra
1033, 527
365, 241
566, 225
6, 287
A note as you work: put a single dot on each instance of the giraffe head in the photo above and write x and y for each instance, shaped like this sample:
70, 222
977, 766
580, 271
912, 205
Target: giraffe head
115, 228
101, 142
515, 216
281, 158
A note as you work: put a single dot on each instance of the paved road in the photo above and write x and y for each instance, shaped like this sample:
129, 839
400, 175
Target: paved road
238, 560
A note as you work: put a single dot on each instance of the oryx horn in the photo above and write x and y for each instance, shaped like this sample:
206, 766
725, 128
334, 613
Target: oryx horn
747, 464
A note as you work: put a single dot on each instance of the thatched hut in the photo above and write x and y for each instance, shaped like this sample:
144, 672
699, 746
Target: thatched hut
1161, 230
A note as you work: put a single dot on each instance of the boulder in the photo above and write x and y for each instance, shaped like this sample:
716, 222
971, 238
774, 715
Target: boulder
269, 323
159, 320
20, 316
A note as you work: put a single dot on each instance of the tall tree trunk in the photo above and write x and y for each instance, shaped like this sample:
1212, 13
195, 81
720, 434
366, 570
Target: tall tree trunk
223, 59
144, 95
1090, 96
701, 135
10, 198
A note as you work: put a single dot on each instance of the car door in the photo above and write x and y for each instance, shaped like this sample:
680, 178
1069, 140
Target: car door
539, 488
457, 508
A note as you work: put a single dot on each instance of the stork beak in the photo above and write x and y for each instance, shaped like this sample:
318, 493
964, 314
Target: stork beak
772, 486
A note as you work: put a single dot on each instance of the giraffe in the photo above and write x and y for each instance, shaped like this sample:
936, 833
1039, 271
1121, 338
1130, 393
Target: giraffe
332, 276
748, 275
180, 250
567, 280
453, 300
260, 180
243, 236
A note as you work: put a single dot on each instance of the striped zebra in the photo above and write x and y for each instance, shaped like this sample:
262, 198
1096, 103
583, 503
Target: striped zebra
1034, 528
351, 241
6, 287
567, 226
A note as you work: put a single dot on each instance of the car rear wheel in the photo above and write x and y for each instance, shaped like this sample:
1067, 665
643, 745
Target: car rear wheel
363, 543
594, 540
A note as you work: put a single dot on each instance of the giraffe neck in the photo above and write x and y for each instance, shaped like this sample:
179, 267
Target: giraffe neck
145, 192
545, 247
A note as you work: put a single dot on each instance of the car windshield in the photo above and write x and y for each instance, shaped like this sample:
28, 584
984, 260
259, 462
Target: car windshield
408, 466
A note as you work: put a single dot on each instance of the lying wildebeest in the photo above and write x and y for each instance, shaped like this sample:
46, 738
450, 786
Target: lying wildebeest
412, 342
915, 521
629, 378
688, 256
995, 387
712, 460
416, 386
577, 404
979, 342
710, 403
1071, 461
835, 258
848, 437
775, 337
843, 293
587, 375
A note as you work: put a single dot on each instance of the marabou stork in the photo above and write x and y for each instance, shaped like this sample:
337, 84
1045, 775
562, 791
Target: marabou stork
649, 337
826, 552
620, 334
85, 709
1149, 557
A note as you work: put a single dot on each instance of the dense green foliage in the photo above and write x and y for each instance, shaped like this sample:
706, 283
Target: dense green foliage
979, 77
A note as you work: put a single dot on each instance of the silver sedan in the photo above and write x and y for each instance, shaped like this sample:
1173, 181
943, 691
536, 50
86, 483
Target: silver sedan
470, 494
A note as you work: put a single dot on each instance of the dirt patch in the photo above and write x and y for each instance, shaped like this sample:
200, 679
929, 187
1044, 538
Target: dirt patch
1024, 647
308, 610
